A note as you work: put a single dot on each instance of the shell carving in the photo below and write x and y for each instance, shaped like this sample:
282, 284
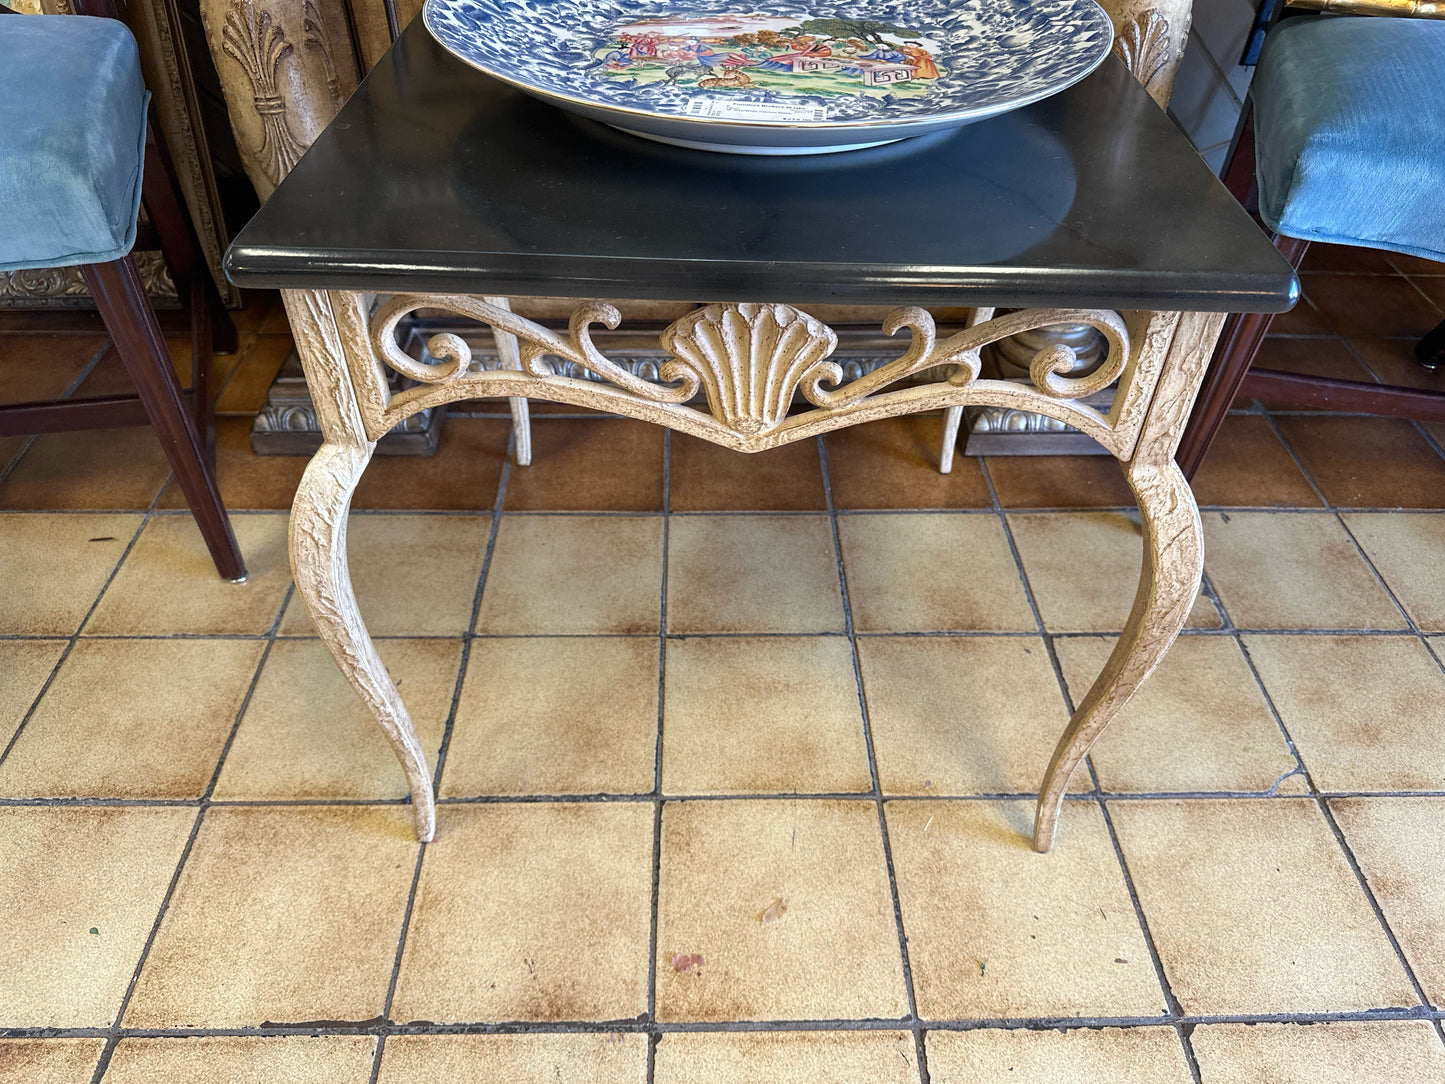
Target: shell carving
1143, 46
749, 359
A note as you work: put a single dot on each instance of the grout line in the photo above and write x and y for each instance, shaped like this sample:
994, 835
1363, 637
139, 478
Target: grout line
655, 897
202, 807
876, 789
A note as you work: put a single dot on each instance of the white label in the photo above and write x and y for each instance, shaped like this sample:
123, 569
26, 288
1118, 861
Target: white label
735, 109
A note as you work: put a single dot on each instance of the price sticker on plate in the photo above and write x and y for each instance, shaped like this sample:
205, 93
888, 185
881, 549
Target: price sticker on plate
734, 109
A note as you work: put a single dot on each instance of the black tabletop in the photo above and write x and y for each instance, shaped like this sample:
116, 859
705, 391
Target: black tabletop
436, 178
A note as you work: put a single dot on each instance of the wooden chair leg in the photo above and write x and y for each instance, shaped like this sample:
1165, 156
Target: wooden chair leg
120, 296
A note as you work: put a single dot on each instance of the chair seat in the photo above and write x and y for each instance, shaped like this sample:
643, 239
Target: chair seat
1350, 132
72, 140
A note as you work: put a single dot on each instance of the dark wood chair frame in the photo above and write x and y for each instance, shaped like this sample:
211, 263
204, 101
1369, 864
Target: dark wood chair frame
1230, 373
182, 418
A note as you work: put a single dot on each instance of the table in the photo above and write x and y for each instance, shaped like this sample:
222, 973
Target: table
451, 191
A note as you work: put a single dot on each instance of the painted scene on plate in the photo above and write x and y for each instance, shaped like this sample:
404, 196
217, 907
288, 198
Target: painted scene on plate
757, 52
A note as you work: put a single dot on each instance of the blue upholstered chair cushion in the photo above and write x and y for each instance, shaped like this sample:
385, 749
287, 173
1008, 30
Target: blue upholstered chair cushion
1350, 132
72, 139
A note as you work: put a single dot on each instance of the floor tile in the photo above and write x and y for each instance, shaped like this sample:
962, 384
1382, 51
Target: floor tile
1083, 569
574, 574
244, 1059
1058, 481
48, 1061
613, 1058
53, 566
414, 575
169, 584
99, 469
894, 464
790, 1057
752, 574
1416, 265
1199, 723
10, 448
281, 914
462, 476
925, 573
590, 465
1371, 462
306, 735
961, 715
1326, 257
532, 911
1287, 570
248, 482
556, 715
1316, 356
1387, 1052
40, 367
1397, 844
1303, 319
109, 376
132, 719
754, 922
1370, 305
1365, 712
1247, 465
244, 390
25, 667
762, 716
1254, 909
1393, 362
706, 477
1405, 549
1079, 1056
67, 872
1020, 934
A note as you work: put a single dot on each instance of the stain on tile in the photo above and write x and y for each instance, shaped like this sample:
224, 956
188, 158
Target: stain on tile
1387, 1052
924, 573
1018, 934
1397, 843
1293, 570
53, 566
414, 575
1198, 723
894, 464
962, 715
574, 574
1405, 549
834, 955
608, 1058
1254, 909
752, 574
1079, 1056
281, 914
555, 715
48, 1061
244, 1059
762, 716
1365, 712
169, 583
789, 1057
706, 477
531, 911
590, 465
1083, 568
68, 872
306, 735
132, 719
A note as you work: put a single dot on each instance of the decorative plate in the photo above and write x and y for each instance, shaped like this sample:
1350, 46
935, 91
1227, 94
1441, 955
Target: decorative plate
787, 78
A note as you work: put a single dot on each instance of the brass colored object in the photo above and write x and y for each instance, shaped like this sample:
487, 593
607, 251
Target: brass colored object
1408, 9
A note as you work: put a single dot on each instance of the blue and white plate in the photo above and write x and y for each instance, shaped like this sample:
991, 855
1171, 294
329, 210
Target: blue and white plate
785, 78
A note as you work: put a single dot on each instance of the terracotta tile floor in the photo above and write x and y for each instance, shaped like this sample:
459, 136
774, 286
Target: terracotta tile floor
735, 760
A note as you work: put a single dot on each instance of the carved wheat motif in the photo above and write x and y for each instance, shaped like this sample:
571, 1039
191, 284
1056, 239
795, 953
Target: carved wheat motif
253, 41
320, 41
1143, 46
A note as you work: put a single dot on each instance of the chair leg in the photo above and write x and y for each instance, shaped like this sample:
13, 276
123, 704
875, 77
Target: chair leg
1430, 351
120, 296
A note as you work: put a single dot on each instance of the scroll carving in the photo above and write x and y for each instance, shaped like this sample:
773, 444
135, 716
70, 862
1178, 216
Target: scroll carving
748, 361
255, 42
